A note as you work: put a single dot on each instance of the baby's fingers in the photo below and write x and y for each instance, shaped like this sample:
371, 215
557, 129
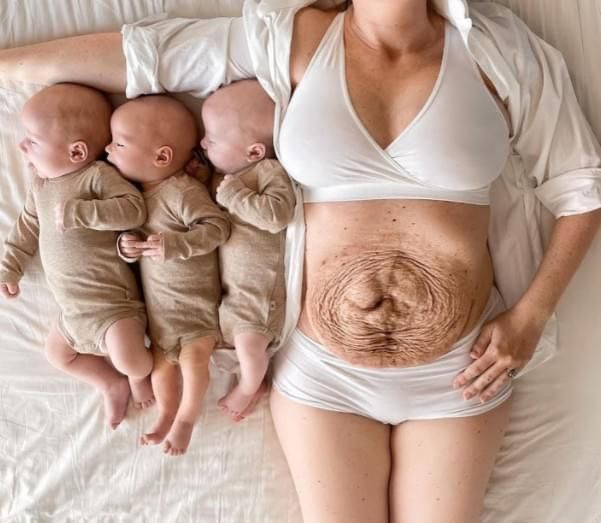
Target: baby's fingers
9, 290
153, 253
130, 252
129, 244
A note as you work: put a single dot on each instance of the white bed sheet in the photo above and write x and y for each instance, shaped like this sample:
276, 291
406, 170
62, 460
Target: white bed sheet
58, 462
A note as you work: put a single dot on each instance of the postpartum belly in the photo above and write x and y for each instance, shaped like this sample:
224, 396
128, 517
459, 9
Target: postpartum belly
389, 308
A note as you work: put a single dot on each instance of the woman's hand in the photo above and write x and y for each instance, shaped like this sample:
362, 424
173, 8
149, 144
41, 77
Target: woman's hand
506, 343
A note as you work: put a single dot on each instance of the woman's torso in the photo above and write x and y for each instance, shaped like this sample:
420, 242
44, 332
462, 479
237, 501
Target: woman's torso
389, 282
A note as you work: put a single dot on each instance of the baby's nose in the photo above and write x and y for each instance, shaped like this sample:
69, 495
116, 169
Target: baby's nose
203, 143
23, 145
109, 147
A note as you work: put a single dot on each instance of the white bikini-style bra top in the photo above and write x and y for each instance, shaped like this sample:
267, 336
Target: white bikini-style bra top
452, 150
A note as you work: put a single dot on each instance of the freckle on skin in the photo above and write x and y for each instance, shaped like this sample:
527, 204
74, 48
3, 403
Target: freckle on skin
387, 288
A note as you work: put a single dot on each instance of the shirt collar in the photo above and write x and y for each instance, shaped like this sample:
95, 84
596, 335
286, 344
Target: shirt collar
457, 12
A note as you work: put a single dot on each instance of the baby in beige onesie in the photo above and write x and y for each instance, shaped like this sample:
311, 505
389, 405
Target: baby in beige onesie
253, 187
153, 139
72, 210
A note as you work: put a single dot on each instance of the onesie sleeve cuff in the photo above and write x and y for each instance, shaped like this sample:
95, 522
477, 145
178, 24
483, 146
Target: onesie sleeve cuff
9, 277
225, 194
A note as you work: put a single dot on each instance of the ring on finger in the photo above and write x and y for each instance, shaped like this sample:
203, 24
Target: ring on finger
512, 373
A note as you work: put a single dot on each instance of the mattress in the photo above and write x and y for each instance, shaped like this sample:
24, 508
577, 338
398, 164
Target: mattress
58, 460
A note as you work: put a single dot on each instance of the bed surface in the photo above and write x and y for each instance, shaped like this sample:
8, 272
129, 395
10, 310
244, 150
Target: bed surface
59, 462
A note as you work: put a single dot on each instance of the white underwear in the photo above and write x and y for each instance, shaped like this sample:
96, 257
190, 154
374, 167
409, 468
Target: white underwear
306, 372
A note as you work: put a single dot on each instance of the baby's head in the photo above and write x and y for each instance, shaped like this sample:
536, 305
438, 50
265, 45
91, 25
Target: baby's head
153, 138
238, 125
66, 129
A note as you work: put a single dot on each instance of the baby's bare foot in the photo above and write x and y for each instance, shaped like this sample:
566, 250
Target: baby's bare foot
234, 403
177, 441
159, 430
116, 398
141, 391
237, 404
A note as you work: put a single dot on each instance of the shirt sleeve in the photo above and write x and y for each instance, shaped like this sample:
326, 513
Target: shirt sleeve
208, 227
182, 54
560, 152
21, 243
119, 205
271, 208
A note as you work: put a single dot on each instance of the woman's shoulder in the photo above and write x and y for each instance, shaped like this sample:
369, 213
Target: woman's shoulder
310, 25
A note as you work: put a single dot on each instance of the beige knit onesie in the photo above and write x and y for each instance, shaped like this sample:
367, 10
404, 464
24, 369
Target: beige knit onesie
92, 286
182, 292
261, 203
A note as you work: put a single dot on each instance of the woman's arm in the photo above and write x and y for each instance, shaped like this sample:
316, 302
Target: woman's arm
94, 59
510, 339
150, 56
156, 55
570, 239
561, 161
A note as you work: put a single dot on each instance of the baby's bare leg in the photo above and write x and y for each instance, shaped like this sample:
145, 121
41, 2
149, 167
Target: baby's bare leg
93, 370
166, 384
251, 349
125, 344
194, 363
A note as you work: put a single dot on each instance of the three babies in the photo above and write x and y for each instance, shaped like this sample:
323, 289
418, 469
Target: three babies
181, 240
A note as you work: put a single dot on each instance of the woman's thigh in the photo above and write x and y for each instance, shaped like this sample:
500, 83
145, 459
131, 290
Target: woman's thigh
441, 468
340, 463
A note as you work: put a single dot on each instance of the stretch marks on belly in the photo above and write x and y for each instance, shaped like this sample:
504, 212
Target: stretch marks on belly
388, 308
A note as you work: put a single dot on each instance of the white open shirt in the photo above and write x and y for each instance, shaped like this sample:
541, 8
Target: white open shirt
555, 162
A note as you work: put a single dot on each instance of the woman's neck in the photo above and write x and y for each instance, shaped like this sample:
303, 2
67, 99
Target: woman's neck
397, 26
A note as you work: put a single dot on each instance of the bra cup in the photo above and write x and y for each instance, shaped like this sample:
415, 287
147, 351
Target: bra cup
453, 150
466, 131
474, 157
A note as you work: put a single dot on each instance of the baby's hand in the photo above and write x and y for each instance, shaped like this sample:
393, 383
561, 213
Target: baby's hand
130, 245
154, 246
59, 215
9, 290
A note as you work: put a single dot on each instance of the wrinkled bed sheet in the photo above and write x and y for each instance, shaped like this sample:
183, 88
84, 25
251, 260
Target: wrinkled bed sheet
58, 461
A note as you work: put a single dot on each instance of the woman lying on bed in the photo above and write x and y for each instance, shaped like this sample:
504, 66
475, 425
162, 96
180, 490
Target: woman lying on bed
392, 394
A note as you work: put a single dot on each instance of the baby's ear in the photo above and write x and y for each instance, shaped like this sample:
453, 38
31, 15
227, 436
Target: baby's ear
78, 151
255, 152
163, 156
